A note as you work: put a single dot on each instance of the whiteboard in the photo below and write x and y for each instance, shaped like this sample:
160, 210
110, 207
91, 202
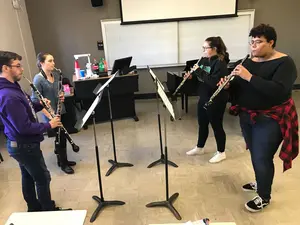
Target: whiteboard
133, 11
173, 43
234, 32
148, 44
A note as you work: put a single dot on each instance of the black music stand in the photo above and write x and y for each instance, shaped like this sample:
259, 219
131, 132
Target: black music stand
91, 111
114, 162
168, 203
162, 159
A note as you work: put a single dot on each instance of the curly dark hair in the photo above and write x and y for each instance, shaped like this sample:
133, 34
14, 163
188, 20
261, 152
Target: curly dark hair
266, 31
6, 58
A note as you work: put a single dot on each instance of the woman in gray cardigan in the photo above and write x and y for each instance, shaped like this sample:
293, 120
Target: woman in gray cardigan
47, 82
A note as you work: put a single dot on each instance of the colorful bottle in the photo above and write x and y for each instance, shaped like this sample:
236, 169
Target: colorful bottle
101, 65
96, 67
77, 69
105, 66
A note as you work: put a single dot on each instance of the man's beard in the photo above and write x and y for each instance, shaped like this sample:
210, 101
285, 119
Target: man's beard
16, 79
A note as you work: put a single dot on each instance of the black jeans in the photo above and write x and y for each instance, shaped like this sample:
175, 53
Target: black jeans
263, 139
60, 149
214, 115
35, 175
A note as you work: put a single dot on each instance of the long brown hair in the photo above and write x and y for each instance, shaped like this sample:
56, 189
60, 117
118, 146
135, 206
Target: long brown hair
217, 42
40, 58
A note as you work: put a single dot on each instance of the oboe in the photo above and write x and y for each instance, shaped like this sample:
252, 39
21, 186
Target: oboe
220, 88
184, 79
52, 114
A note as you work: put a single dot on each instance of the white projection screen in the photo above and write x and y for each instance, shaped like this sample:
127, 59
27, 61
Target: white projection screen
143, 11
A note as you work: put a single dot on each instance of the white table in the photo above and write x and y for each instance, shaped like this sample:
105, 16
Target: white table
72, 217
220, 223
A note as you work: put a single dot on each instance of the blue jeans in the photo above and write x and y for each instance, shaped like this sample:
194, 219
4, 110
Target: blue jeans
35, 175
263, 139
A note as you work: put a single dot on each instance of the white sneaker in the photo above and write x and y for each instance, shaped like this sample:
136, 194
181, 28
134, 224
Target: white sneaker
196, 151
218, 157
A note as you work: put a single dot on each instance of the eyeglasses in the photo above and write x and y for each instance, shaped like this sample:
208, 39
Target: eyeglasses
17, 66
205, 48
257, 42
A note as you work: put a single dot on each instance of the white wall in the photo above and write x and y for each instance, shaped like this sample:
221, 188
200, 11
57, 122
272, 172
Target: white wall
16, 36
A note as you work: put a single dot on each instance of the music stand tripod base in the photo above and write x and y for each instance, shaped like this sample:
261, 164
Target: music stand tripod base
162, 160
116, 165
101, 204
168, 204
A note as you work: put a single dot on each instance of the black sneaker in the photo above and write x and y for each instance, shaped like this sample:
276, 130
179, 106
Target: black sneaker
34, 209
256, 204
250, 187
61, 209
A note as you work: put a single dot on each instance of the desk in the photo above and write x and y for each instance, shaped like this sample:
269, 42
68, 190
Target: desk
72, 217
122, 90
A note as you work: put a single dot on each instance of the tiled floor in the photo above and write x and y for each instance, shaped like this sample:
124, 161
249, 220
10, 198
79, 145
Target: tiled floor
205, 190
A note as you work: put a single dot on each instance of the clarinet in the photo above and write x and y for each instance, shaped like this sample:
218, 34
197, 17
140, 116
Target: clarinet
52, 114
184, 79
59, 106
220, 88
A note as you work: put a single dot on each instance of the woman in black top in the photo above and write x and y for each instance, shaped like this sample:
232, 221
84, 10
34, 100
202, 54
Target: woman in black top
262, 89
211, 68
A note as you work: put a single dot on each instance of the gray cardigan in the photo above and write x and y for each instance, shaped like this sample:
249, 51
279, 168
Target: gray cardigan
47, 89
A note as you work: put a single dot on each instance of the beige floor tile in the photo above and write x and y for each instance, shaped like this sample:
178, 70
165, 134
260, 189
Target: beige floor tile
205, 190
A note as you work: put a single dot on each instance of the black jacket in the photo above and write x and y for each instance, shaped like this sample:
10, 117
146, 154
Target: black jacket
209, 73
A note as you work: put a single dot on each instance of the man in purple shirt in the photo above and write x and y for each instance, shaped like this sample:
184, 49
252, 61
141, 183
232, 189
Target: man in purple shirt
24, 134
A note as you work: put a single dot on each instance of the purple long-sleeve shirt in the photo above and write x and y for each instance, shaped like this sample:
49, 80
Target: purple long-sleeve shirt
16, 114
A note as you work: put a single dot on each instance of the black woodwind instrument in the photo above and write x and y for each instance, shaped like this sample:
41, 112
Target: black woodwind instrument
59, 106
52, 114
221, 87
184, 79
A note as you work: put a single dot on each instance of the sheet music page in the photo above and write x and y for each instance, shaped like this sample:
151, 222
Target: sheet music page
162, 94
